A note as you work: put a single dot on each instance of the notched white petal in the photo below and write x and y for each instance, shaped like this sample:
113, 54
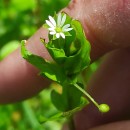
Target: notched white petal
51, 29
52, 20
63, 20
62, 35
66, 26
68, 29
57, 35
59, 19
49, 23
53, 32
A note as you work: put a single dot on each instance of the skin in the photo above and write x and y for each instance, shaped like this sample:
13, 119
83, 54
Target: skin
106, 24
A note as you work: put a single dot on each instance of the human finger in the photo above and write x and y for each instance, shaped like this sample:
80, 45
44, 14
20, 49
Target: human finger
106, 23
121, 125
110, 84
19, 79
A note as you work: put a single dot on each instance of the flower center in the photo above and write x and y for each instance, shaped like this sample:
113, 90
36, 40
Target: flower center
58, 29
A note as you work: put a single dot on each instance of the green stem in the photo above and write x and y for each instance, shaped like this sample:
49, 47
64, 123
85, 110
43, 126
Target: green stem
85, 93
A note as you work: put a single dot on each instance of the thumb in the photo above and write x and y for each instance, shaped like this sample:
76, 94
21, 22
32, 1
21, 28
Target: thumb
106, 23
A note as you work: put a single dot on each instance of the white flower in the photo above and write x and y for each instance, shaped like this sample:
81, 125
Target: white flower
58, 28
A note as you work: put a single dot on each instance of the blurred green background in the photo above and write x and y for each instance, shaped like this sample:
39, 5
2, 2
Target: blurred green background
19, 19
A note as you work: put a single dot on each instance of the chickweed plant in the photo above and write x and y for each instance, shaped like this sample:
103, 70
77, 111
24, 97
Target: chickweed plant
70, 51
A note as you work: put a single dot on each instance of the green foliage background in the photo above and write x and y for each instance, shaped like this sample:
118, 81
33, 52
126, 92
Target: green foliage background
19, 19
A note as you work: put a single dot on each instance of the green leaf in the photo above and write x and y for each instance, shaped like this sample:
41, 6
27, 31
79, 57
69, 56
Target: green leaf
67, 34
58, 100
79, 61
69, 40
47, 69
57, 54
54, 72
83, 103
69, 99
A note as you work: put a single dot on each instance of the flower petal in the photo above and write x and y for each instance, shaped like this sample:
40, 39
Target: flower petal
49, 23
66, 26
63, 20
57, 35
62, 35
59, 19
52, 33
52, 20
51, 29
68, 29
